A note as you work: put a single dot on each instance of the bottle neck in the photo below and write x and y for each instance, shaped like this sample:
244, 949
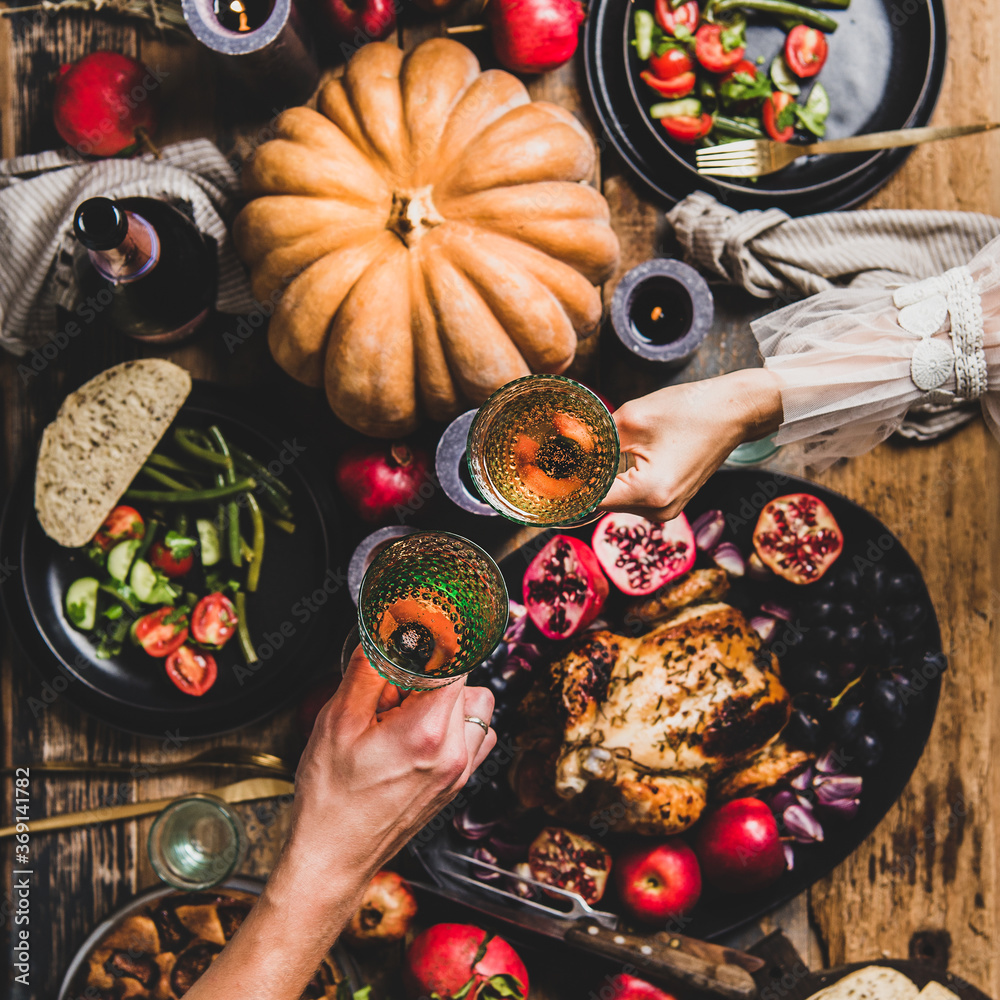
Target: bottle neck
133, 258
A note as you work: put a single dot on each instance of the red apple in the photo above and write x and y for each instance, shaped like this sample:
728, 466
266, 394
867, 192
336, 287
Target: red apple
739, 847
534, 36
386, 912
360, 21
629, 988
659, 882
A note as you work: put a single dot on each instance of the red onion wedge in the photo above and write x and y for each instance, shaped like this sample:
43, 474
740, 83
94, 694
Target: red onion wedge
708, 529
729, 558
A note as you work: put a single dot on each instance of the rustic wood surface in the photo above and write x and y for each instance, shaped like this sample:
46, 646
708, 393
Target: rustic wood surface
924, 884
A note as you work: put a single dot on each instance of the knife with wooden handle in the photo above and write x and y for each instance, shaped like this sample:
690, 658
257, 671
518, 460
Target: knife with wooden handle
239, 791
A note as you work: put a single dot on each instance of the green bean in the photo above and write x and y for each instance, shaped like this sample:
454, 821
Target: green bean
780, 8
163, 479
253, 573
166, 462
152, 526
243, 630
286, 526
246, 548
258, 470
233, 510
120, 597
731, 126
185, 438
192, 496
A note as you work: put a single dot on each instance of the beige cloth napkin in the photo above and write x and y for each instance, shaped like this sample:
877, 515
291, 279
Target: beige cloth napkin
772, 255
39, 195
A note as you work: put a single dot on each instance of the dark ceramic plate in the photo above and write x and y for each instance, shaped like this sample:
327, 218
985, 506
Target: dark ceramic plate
131, 691
740, 494
884, 72
240, 883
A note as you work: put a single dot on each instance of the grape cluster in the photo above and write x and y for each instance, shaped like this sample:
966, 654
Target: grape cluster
859, 663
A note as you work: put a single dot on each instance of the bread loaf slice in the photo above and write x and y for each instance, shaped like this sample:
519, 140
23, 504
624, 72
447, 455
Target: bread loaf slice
875, 982
98, 442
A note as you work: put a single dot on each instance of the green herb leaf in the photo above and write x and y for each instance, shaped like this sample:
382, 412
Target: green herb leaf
77, 613
733, 34
502, 985
683, 33
113, 611
180, 545
363, 994
787, 116
743, 87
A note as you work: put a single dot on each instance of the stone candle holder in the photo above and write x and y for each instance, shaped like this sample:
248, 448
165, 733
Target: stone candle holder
449, 462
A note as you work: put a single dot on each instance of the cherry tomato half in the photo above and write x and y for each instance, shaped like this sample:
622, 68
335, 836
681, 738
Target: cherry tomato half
162, 631
193, 671
772, 108
678, 86
674, 62
806, 50
122, 523
708, 50
743, 66
687, 128
687, 16
214, 620
167, 563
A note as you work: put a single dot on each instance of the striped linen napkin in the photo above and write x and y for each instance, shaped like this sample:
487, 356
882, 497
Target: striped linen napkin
38, 196
772, 255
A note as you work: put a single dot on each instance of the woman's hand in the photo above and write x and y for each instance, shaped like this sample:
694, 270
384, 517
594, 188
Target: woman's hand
376, 769
679, 436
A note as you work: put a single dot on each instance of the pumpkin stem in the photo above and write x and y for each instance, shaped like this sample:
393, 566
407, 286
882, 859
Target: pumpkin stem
412, 214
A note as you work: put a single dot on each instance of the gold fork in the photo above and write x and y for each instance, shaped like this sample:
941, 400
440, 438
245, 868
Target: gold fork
224, 757
756, 157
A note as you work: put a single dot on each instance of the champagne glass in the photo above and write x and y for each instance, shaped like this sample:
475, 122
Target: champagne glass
432, 607
544, 451
196, 842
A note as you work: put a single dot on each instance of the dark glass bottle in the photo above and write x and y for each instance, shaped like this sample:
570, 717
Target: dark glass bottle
159, 268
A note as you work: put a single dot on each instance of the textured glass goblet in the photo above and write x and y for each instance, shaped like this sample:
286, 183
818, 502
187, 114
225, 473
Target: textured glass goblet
544, 450
432, 606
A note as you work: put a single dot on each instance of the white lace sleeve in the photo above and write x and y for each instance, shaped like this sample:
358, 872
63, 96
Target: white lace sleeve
853, 361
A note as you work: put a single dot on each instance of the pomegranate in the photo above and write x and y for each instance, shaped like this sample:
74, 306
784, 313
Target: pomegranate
360, 21
563, 587
385, 482
449, 960
386, 912
105, 104
739, 846
534, 36
628, 987
570, 861
640, 556
658, 882
797, 537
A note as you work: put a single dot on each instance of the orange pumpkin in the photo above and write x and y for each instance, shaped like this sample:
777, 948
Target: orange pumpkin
426, 236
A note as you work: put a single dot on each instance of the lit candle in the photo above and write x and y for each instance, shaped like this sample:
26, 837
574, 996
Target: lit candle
261, 42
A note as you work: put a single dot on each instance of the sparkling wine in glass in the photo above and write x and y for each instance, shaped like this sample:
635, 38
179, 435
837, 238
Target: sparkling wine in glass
432, 606
544, 450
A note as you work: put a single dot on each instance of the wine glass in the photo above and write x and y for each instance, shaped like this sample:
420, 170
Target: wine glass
543, 450
432, 607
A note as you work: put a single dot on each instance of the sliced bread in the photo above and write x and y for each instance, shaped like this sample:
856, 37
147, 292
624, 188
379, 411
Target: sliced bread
875, 982
98, 442
935, 991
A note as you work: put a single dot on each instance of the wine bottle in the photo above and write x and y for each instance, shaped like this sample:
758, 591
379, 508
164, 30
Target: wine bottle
159, 268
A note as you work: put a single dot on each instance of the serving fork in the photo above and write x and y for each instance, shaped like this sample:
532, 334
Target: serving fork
757, 157
221, 757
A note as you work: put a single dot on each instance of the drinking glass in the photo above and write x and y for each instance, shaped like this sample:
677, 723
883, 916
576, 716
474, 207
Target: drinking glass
432, 606
196, 842
543, 450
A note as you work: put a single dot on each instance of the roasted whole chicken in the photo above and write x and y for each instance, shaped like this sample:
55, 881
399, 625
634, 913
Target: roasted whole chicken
651, 723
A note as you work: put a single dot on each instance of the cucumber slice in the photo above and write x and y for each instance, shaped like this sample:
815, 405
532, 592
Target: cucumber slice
782, 77
818, 101
81, 602
143, 580
688, 107
208, 539
120, 558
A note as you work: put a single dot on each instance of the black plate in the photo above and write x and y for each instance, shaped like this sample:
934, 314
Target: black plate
740, 494
884, 72
131, 691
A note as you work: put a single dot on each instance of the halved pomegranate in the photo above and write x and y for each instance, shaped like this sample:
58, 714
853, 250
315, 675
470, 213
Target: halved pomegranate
797, 537
640, 556
571, 861
564, 588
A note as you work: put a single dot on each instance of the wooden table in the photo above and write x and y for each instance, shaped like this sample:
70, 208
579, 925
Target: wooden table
925, 882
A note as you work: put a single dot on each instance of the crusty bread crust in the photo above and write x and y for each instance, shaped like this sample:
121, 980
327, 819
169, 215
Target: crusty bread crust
98, 442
